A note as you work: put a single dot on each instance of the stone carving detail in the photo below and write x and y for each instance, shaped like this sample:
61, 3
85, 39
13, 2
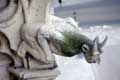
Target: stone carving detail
20, 21
29, 35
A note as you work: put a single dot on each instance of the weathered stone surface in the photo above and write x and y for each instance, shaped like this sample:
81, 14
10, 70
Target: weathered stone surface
31, 74
4, 64
20, 21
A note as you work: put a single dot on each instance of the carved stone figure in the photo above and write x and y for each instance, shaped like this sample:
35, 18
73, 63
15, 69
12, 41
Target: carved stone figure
30, 35
20, 21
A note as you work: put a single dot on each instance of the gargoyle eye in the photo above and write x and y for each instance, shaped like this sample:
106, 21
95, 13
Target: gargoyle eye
85, 48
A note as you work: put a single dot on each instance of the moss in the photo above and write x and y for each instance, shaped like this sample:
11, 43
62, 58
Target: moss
71, 43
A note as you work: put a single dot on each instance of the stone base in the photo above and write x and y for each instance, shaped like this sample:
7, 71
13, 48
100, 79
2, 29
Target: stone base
23, 74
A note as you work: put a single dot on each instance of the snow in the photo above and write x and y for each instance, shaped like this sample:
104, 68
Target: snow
78, 69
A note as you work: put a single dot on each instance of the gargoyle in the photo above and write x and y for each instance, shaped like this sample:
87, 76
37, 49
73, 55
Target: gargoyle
29, 35
37, 38
65, 39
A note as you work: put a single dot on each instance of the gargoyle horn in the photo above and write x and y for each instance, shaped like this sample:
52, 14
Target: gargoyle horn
103, 42
96, 42
97, 45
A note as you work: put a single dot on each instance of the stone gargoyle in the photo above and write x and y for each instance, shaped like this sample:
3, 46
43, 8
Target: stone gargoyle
29, 35
62, 36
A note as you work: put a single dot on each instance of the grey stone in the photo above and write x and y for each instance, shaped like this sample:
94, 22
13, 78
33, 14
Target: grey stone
20, 53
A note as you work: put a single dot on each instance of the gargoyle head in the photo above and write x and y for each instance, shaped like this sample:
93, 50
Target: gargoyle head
92, 52
74, 44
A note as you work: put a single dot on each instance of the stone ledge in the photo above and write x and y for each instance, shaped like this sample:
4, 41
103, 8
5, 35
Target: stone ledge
30, 74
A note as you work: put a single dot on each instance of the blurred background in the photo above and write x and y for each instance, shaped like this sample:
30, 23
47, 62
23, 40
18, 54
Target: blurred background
89, 12
95, 18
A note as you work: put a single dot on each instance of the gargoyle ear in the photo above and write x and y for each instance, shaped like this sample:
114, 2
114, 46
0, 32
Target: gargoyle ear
85, 48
